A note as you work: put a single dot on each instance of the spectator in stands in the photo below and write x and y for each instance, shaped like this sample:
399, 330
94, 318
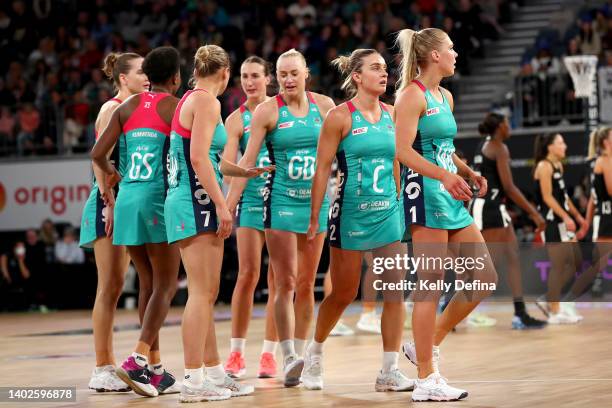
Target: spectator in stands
93, 88
590, 41
300, 10
573, 48
61, 42
489, 15
606, 40
6, 97
45, 52
67, 250
40, 272
16, 276
48, 236
545, 63
7, 130
35, 252
29, 121
77, 118
608, 59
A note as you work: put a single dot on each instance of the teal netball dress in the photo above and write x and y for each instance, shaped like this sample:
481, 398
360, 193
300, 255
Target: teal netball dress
94, 212
425, 200
188, 209
249, 212
139, 208
366, 213
292, 147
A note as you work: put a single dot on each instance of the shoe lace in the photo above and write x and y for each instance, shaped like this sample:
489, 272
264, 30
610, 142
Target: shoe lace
231, 383
439, 379
315, 365
396, 375
267, 360
234, 359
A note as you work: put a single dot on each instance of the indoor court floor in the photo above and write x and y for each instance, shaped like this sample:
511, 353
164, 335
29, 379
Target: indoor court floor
561, 366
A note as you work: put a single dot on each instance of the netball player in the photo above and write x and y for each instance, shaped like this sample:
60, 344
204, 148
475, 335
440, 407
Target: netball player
125, 70
433, 196
599, 213
561, 216
250, 238
290, 124
365, 213
145, 121
492, 161
199, 219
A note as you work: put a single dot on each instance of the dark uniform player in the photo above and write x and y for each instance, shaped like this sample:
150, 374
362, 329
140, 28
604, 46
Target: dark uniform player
492, 160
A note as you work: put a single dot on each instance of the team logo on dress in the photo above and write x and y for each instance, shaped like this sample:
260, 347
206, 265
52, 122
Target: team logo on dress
247, 117
357, 118
285, 125
291, 192
147, 105
433, 111
359, 131
172, 167
284, 114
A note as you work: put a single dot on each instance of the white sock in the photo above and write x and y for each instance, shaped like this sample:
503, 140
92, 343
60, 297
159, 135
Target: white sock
237, 344
299, 346
315, 348
287, 348
195, 376
216, 374
103, 368
157, 369
390, 361
140, 359
269, 347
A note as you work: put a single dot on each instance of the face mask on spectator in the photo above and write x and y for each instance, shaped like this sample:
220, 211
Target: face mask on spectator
20, 250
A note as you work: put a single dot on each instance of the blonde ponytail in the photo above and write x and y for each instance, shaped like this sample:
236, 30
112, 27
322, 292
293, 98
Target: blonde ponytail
415, 48
408, 65
593, 151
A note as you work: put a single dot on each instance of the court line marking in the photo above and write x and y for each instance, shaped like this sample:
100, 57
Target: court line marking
493, 381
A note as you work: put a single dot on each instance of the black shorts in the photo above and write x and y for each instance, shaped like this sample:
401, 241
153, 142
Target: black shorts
489, 214
557, 232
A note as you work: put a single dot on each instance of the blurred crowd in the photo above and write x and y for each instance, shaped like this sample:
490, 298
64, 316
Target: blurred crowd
37, 269
544, 84
51, 86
